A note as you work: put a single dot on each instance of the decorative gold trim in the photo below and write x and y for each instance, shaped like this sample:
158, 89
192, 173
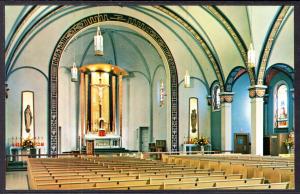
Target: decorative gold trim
236, 39
269, 44
109, 68
200, 40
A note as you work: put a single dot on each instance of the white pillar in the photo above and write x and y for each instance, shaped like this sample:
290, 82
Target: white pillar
226, 136
226, 127
257, 123
256, 93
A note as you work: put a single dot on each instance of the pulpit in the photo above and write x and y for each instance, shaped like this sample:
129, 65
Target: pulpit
101, 105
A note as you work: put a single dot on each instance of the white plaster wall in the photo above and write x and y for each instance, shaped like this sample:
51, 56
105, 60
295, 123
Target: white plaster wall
26, 79
68, 112
136, 104
197, 90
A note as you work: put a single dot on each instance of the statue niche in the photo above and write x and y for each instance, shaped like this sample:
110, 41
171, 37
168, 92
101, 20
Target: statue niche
28, 118
194, 120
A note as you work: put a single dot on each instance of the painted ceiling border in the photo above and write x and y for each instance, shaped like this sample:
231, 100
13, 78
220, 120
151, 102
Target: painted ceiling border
236, 37
269, 42
199, 39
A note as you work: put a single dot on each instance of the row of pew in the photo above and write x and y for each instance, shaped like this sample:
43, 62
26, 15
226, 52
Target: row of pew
272, 169
130, 173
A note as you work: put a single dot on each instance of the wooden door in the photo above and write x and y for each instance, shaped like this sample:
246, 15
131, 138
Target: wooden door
241, 143
90, 147
143, 139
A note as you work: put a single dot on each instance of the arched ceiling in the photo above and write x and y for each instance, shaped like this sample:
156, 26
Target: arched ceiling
206, 40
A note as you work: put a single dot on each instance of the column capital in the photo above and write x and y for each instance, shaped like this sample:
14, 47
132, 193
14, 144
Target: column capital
209, 100
226, 97
257, 91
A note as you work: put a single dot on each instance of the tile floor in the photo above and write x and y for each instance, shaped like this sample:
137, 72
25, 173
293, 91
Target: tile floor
16, 180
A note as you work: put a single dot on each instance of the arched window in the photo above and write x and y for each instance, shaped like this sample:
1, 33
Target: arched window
216, 97
281, 105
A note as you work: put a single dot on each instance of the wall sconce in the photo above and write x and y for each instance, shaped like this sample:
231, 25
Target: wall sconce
162, 94
187, 79
74, 73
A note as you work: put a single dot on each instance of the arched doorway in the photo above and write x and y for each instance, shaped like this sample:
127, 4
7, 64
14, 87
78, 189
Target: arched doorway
79, 26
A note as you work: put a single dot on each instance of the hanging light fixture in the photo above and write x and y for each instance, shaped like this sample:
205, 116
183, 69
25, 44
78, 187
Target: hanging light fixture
98, 43
187, 79
74, 73
251, 56
251, 51
74, 70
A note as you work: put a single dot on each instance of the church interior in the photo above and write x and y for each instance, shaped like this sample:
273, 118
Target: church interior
149, 97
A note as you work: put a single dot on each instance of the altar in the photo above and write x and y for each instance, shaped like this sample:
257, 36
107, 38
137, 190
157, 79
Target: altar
101, 106
108, 141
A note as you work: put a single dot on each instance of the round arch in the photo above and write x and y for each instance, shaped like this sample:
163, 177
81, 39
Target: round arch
71, 33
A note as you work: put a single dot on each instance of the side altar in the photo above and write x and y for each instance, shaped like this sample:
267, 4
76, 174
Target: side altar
101, 106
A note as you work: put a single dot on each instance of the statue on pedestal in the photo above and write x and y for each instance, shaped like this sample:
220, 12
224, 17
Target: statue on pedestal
28, 118
194, 120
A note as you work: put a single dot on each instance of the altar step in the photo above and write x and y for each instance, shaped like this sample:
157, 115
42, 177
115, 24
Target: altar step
109, 150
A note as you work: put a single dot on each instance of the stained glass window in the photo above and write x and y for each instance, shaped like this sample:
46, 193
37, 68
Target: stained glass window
281, 106
216, 97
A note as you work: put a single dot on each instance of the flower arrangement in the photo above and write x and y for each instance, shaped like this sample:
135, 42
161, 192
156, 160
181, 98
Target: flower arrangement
201, 141
289, 142
27, 143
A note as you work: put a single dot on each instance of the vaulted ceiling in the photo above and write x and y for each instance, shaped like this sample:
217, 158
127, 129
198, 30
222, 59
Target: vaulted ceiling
209, 41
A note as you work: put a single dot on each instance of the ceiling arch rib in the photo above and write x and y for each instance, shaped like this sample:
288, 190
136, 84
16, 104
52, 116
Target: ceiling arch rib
27, 23
12, 24
53, 13
28, 67
17, 27
182, 41
22, 37
203, 32
235, 36
269, 42
200, 40
110, 35
139, 53
285, 29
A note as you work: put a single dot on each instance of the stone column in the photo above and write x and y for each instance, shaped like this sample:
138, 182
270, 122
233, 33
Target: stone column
256, 93
293, 100
226, 127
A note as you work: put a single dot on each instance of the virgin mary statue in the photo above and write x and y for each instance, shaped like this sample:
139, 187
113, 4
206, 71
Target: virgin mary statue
28, 118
